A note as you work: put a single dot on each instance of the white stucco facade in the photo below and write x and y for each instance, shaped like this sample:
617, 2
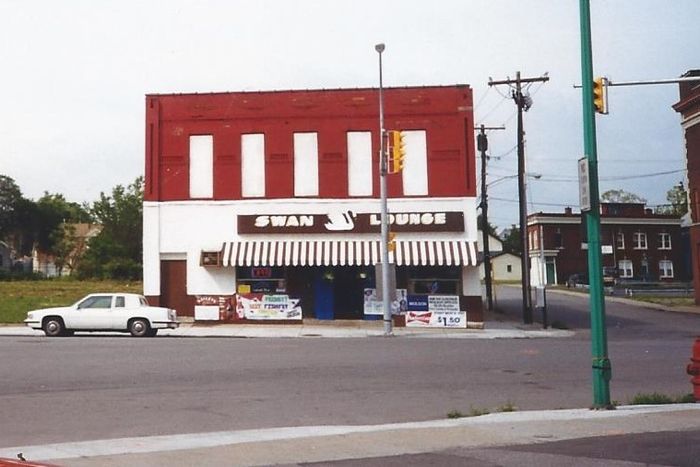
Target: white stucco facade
183, 229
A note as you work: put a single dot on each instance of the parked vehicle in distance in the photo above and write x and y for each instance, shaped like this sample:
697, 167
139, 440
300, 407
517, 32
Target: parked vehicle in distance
609, 278
122, 312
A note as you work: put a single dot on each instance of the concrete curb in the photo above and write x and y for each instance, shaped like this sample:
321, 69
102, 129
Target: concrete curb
326, 331
317, 443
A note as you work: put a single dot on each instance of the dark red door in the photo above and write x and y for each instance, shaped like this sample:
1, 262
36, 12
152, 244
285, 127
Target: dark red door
173, 287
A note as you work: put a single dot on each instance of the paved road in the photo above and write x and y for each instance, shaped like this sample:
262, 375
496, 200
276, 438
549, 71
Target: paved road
96, 387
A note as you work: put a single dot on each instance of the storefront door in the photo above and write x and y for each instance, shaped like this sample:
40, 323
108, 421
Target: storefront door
323, 295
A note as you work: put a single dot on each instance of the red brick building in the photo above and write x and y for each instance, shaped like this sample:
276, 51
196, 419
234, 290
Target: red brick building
640, 244
689, 108
277, 194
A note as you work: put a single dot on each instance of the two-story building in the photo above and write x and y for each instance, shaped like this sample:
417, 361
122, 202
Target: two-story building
266, 204
637, 243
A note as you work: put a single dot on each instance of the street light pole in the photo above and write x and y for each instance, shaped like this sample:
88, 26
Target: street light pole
386, 302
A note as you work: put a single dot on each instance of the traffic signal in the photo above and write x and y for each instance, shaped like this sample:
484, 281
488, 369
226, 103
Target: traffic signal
600, 95
391, 244
398, 152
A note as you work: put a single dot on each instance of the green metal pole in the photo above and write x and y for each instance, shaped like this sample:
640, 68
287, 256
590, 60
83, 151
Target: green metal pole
602, 370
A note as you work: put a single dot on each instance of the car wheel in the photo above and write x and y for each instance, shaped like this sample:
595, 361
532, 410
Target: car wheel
53, 327
139, 327
152, 333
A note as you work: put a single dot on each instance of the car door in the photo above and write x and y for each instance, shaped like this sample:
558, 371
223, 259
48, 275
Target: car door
121, 311
95, 312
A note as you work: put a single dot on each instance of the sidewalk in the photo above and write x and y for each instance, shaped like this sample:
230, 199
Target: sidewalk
290, 445
333, 329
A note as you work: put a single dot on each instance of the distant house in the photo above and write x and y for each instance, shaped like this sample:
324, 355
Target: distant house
689, 108
641, 245
506, 267
45, 263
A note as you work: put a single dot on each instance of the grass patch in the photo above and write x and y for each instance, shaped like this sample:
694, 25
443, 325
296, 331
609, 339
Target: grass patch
666, 301
656, 398
476, 411
17, 298
507, 407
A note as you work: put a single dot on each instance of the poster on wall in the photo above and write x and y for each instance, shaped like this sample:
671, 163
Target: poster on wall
440, 311
263, 306
375, 307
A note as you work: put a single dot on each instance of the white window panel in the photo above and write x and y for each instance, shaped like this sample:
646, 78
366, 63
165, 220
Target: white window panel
253, 165
665, 269
359, 163
201, 166
625, 268
305, 164
415, 170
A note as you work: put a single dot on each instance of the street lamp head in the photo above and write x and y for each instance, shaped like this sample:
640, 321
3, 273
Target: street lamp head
379, 47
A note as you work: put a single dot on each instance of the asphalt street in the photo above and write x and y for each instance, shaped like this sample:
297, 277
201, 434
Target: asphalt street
96, 387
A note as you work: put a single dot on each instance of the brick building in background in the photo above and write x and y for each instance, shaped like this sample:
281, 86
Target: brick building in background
689, 108
276, 195
641, 245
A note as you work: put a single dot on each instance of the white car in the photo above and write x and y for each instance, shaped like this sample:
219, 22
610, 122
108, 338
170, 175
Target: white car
121, 312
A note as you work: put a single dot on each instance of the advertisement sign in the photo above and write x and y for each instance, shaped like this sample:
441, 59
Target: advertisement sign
443, 303
373, 306
435, 311
262, 306
436, 319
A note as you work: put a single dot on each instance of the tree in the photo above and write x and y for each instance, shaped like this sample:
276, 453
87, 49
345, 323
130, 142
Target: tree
677, 198
621, 196
511, 240
116, 252
490, 229
10, 197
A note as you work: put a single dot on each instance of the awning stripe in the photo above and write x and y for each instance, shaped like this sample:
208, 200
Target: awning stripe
347, 253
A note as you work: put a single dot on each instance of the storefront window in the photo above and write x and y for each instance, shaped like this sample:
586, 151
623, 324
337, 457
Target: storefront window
260, 280
434, 280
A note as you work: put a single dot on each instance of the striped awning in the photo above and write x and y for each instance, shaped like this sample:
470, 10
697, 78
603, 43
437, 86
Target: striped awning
347, 253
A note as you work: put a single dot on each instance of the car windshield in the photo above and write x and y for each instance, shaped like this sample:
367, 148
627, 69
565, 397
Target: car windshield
143, 300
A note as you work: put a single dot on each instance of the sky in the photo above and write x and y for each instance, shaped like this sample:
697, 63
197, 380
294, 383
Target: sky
75, 73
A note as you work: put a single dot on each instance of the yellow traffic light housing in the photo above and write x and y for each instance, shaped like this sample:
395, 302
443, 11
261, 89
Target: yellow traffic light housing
398, 152
600, 95
391, 244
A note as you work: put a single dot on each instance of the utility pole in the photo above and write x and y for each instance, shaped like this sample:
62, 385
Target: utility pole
482, 144
602, 369
524, 103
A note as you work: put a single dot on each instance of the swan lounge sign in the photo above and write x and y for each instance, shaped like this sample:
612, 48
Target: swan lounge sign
350, 222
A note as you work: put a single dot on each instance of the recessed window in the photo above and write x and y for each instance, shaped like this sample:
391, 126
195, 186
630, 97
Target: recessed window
305, 164
625, 268
665, 269
253, 165
509, 268
359, 163
664, 241
415, 169
620, 240
201, 166
640, 240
